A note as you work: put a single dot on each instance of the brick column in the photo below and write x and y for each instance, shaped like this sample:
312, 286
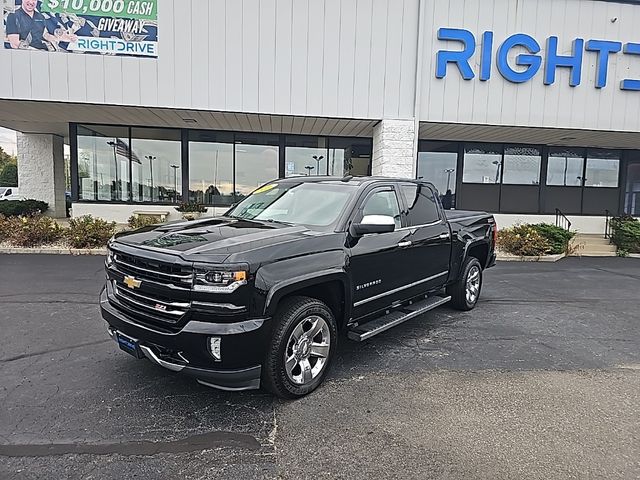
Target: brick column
41, 170
393, 149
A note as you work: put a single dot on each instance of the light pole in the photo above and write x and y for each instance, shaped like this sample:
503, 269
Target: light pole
175, 182
318, 159
497, 163
151, 159
449, 171
114, 145
309, 168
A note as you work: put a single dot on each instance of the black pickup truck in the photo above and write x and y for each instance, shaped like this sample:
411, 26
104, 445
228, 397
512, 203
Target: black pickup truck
258, 296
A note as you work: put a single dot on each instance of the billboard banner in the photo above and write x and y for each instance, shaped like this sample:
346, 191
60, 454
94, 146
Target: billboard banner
104, 27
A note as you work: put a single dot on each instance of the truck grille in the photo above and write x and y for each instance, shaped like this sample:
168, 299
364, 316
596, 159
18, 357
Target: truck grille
147, 269
162, 296
151, 303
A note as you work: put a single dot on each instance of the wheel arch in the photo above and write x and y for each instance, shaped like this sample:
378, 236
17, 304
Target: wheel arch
330, 287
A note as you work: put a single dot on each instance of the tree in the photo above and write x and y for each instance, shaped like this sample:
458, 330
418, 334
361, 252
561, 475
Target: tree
6, 159
9, 175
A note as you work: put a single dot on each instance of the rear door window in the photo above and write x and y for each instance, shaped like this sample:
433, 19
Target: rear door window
421, 204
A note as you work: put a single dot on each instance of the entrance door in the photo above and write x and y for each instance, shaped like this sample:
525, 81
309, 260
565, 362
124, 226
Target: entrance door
632, 189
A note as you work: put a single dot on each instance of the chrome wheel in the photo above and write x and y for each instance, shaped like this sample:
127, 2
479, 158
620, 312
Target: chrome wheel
307, 350
473, 285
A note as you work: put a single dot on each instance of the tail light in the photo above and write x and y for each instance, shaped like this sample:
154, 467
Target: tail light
494, 237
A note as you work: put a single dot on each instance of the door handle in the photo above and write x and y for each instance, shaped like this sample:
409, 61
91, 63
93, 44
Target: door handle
405, 244
443, 236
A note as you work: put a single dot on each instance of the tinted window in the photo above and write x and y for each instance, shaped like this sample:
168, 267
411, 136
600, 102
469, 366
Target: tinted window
602, 168
422, 208
103, 163
521, 166
383, 203
156, 165
565, 167
437, 164
9, 192
482, 164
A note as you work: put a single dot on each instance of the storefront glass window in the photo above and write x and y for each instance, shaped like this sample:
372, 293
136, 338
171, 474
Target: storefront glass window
439, 166
103, 163
603, 167
211, 168
349, 156
306, 156
156, 168
256, 162
482, 163
521, 165
565, 167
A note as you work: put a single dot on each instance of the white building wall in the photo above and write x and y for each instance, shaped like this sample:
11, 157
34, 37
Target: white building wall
333, 58
532, 104
41, 170
394, 150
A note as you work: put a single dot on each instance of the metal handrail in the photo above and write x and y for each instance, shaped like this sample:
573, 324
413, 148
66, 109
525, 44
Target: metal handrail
607, 225
562, 221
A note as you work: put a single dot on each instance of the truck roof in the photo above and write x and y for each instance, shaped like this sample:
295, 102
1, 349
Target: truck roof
352, 180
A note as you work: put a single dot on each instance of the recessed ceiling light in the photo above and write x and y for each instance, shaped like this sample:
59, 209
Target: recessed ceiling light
189, 120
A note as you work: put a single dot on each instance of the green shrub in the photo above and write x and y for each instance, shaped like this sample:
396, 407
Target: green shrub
89, 232
557, 237
523, 241
626, 234
21, 208
142, 221
191, 207
31, 231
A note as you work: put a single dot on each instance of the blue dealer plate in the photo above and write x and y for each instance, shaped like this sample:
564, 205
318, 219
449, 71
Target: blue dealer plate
129, 345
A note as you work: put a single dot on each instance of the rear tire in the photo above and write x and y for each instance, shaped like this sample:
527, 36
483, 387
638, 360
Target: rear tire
466, 291
302, 346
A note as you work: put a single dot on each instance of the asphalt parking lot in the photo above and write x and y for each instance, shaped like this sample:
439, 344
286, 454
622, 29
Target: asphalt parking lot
541, 380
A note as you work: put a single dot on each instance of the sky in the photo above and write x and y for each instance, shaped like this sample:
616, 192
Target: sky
8, 140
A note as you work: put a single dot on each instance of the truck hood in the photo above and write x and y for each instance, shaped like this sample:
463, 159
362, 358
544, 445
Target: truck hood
216, 237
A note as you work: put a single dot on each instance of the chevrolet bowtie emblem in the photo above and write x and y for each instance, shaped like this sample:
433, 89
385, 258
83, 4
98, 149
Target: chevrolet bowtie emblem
131, 282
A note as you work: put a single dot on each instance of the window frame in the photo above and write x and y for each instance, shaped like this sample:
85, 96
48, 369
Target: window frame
276, 139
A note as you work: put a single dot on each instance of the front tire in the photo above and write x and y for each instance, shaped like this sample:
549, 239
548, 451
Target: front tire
302, 346
466, 291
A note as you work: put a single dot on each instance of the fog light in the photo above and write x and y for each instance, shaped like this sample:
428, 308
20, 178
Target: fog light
214, 348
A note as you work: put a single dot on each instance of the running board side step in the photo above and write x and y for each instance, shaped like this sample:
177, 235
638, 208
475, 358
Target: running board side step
395, 317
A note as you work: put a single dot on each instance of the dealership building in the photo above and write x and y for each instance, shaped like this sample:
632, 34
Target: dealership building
523, 108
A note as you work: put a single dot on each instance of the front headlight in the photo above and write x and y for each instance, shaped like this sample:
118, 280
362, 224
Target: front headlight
219, 279
110, 257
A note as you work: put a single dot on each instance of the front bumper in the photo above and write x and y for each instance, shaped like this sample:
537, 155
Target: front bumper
185, 351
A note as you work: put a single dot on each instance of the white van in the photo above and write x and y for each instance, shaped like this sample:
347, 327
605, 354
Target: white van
9, 193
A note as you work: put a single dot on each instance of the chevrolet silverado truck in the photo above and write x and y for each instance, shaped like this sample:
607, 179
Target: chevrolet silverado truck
259, 296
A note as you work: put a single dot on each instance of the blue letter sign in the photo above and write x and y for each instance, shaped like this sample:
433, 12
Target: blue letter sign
604, 48
460, 58
531, 61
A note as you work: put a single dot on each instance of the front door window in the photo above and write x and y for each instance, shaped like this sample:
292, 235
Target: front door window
632, 191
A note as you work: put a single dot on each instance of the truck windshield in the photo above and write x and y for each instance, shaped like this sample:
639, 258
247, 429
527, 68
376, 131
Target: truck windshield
313, 204
2, 190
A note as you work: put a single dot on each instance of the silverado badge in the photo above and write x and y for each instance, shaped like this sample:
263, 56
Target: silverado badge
131, 282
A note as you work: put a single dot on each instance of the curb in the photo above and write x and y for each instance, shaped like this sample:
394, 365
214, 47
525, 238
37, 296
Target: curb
54, 251
543, 258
